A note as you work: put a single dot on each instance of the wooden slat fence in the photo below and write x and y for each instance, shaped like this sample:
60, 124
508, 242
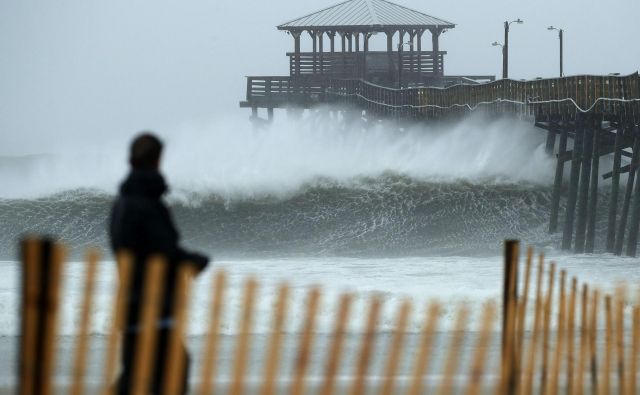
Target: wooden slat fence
559, 336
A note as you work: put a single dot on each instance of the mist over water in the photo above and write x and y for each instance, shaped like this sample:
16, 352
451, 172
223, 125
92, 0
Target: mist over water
228, 158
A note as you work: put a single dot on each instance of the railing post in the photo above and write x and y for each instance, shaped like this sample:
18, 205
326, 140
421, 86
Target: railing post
249, 88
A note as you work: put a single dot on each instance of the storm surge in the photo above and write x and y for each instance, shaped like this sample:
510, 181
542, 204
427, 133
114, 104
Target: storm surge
319, 185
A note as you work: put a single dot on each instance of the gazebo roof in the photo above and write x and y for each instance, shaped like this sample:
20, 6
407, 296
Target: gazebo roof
370, 15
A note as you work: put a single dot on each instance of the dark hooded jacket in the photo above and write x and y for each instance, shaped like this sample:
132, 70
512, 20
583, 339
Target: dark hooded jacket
141, 223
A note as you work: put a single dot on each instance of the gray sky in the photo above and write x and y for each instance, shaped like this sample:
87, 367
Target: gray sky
103, 68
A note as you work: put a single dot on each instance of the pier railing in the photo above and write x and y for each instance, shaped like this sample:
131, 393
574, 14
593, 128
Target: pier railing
609, 96
354, 64
556, 335
567, 96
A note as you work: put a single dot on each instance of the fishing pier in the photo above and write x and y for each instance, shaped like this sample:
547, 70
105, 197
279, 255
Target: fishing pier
585, 117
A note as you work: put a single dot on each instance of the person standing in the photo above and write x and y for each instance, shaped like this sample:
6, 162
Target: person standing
141, 223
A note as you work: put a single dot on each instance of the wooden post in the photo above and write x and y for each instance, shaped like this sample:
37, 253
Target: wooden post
567, 234
296, 50
606, 369
557, 184
615, 183
29, 370
627, 196
419, 43
585, 175
320, 36
314, 49
593, 349
509, 302
435, 35
551, 138
593, 192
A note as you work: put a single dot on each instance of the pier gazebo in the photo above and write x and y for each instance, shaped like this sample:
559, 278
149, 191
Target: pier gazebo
354, 22
340, 50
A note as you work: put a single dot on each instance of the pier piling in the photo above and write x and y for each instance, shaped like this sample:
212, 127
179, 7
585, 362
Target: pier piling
557, 184
615, 186
567, 234
585, 175
593, 192
632, 244
627, 196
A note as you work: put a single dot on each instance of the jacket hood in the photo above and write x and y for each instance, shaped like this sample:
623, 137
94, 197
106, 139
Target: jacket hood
147, 183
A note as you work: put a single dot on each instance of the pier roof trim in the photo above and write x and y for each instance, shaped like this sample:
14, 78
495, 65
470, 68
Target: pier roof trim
370, 15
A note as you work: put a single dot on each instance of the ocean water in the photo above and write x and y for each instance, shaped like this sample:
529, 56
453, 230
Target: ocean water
404, 212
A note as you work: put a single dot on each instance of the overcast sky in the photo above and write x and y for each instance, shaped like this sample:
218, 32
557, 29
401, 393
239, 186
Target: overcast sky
101, 68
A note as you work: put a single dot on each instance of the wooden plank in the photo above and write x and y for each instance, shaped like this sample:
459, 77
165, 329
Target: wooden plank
272, 361
478, 360
124, 261
150, 310
175, 363
244, 338
560, 338
423, 355
547, 323
362, 363
584, 339
453, 355
526, 388
395, 348
335, 351
306, 341
80, 357
210, 351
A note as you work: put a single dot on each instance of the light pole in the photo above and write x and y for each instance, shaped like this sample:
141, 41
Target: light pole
560, 31
497, 44
505, 49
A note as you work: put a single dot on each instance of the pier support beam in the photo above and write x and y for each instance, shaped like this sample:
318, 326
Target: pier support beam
632, 244
557, 184
627, 196
593, 192
551, 138
583, 197
615, 186
567, 234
